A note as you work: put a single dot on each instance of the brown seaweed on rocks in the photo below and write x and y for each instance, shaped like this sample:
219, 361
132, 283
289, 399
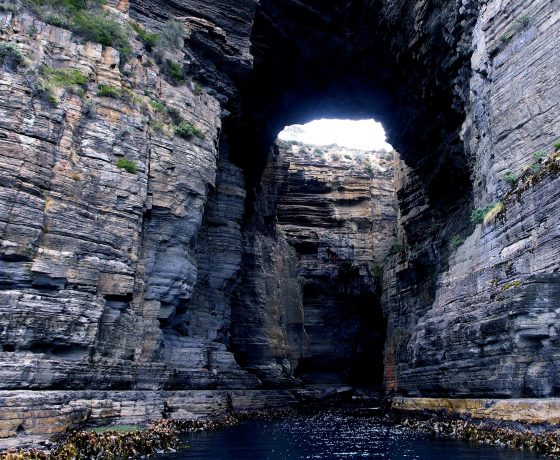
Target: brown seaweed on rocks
161, 436
113, 444
539, 438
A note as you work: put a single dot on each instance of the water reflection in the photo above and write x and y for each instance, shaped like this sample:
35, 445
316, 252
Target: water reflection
330, 437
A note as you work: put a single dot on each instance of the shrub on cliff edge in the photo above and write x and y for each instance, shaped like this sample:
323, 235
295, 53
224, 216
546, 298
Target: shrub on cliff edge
86, 19
100, 27
9, 8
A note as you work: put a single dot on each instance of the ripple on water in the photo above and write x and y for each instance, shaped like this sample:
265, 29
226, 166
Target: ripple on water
331, 436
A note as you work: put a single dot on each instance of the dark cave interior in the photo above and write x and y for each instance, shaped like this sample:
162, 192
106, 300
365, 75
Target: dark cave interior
351, 59
314, 60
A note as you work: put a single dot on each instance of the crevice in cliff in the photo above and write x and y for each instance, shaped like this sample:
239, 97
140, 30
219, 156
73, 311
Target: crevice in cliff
329, 213
406, 64
195, 259
377, 60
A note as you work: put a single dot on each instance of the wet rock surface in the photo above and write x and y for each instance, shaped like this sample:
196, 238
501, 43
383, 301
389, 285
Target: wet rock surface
526, 411
29, 417
542, 439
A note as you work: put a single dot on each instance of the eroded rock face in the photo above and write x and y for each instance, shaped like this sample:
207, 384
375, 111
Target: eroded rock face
267, 322
308, 303
489, 326
98, 262
150, 281
146, 302
40, 413
337, 208
218, 52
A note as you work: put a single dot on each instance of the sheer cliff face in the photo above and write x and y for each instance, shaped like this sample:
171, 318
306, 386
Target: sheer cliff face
337, 208
490, 325
151, 280
308, 305
98, 262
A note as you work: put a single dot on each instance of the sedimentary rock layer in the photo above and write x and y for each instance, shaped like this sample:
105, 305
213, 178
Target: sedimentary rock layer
151, 277
307, 305
489, 325
337, 208
98, 262
526, 410
32, 414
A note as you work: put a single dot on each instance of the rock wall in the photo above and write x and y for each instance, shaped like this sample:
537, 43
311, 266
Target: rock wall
220, 265
97, 262
267, 324
337, 208
218, 51
41, 413
489, 327
526, 410
307, 307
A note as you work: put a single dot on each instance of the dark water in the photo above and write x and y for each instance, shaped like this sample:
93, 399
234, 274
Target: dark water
331, 436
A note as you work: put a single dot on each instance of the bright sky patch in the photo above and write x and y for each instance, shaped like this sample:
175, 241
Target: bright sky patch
360, 135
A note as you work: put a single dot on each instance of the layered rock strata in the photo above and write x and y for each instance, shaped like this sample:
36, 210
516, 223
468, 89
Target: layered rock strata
489, 327
149, 278
308, 302
31, 415
337, 208
98, 262
526, 410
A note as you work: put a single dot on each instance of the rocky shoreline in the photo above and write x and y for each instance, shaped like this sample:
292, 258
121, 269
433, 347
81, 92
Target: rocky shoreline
542, 438
128, 442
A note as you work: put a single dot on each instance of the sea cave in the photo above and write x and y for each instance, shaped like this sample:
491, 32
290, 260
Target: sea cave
172, 261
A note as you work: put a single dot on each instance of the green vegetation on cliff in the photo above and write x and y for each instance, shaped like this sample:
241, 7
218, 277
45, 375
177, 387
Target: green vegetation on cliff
127, 165
86, 19
150, 40
186, 130
10, 56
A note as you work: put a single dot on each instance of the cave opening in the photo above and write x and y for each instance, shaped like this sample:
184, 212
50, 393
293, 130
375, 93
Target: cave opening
337, 209
361, 70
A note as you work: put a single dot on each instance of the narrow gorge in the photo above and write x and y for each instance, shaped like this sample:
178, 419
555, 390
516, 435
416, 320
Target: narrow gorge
164, 255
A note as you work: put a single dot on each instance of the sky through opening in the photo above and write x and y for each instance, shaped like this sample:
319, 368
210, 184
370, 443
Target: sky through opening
352, 134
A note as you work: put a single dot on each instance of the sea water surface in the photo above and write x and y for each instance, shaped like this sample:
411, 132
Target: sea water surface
332, 436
